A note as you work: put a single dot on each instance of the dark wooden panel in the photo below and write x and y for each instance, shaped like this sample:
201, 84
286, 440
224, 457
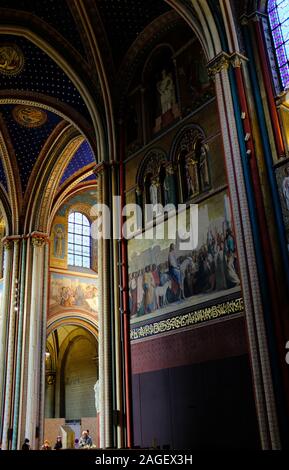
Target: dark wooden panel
208, 405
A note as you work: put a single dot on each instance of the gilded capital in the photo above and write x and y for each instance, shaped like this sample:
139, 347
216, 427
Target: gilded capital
237, 60
7, 244
38, 242
218, 64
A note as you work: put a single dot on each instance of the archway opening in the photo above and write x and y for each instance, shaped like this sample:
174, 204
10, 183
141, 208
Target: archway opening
70, 382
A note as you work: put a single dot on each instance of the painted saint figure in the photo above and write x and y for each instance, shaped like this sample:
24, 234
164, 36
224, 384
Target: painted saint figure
58, 242
204, 170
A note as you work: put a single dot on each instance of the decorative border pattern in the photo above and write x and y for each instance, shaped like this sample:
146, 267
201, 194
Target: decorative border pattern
197, 317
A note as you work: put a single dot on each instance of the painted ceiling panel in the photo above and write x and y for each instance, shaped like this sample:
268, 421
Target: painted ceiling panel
55, 12
84, 156
27, 142
41, 74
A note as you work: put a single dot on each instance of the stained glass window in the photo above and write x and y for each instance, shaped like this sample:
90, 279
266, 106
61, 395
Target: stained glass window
278, 11
78, 240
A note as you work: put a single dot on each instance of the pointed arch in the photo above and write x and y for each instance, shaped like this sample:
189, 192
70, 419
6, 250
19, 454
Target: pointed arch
49, 176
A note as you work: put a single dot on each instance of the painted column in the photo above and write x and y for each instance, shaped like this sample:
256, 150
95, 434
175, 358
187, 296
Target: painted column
43, 328
35, 353
261, 45
4, 316
125, 308
19, 352
107, 320
100, 321
105, 355
117, 326
262, 379
13, 317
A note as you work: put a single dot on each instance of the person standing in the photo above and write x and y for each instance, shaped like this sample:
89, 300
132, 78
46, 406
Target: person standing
85, 440
58, 443
26, 445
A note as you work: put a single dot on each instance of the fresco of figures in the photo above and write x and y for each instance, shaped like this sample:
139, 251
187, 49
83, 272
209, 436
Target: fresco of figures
72, 292
163, 278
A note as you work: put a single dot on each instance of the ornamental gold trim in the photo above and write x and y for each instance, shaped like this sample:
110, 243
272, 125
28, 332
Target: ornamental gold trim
223, 61
188, 319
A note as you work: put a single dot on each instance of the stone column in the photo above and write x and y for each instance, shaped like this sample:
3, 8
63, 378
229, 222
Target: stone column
107, 289
117, 326
19, 349
105, 371
13, 315
100, 321
35, 349
43, 330
261, 372
4, 316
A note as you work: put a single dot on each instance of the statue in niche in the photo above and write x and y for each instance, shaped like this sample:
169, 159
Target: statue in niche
166, 90
204, 170
169, 187
153, 190
191, 176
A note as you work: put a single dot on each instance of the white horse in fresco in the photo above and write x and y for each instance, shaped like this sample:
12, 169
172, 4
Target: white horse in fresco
161, 293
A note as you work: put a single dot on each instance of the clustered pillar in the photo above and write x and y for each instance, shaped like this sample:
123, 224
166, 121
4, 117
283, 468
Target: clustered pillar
22, 339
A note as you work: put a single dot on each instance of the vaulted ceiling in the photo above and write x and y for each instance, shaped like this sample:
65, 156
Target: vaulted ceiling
76, 56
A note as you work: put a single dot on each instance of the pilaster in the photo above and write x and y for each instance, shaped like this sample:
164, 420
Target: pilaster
262, 379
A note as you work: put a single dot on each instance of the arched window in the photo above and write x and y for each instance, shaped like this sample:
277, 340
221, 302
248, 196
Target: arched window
79, 243
278, 11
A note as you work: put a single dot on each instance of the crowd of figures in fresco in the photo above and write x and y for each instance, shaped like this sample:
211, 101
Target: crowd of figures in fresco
211, 268
67, 291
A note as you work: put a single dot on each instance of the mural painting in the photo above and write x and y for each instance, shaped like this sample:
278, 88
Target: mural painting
72, 292
163, 278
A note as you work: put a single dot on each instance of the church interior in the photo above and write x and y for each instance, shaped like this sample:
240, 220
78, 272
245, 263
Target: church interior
123, 118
